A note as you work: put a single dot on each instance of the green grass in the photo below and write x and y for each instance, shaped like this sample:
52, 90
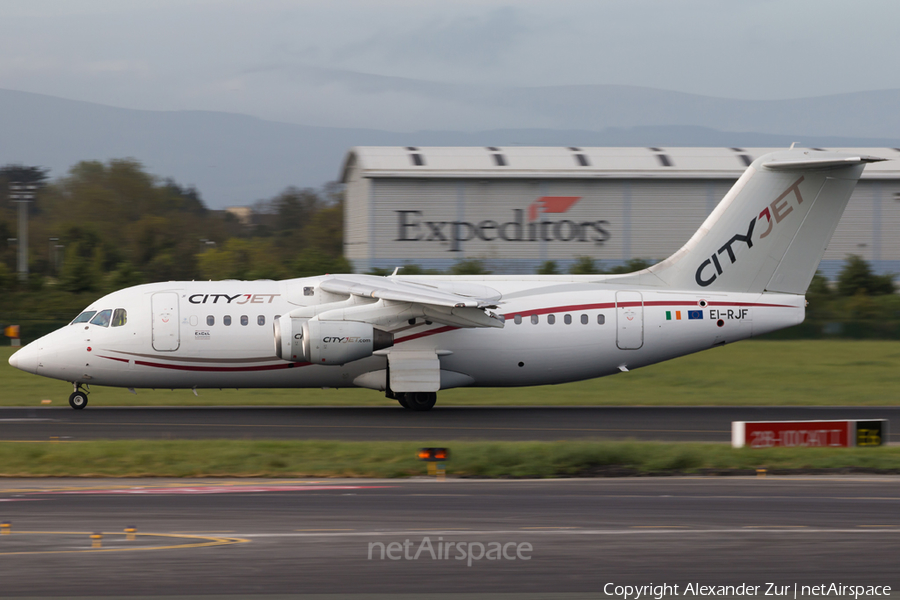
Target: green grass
860, 373
243, 458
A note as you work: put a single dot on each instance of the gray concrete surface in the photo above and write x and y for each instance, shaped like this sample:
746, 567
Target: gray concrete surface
312, 537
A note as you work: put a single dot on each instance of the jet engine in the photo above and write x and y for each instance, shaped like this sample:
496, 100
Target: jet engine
327, 342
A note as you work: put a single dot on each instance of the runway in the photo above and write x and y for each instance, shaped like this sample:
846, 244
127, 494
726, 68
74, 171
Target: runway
707, 424
562, 538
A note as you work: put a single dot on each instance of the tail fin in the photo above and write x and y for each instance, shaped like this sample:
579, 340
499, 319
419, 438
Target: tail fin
771, 229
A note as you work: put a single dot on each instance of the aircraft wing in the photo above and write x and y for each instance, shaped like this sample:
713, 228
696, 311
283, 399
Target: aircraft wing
440, 306
386, 288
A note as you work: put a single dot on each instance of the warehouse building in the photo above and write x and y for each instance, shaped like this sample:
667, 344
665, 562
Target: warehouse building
516, 207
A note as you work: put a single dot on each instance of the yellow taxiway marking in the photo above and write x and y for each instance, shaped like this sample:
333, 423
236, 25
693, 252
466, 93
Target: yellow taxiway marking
440, 495
324, 530
207, 531
550, 527
775, 526
440, 529
660, 527
201, 542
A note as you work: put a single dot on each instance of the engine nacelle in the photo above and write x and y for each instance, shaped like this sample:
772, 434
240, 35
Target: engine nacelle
327, 342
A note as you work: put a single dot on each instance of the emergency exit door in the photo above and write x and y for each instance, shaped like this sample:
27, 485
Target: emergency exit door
165, 321
629, 320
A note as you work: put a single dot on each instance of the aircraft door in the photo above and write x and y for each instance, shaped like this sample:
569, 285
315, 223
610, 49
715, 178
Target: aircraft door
629, 320
166, 336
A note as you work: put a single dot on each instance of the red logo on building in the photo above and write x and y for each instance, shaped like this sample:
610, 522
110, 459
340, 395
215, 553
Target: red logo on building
551, 204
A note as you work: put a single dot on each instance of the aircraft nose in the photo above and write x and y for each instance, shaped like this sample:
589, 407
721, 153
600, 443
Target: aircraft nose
25, 359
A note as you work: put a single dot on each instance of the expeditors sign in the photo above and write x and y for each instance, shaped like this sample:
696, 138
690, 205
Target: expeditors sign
809, 434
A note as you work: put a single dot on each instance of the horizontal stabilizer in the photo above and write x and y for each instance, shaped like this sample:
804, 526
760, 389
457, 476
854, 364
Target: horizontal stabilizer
819, 163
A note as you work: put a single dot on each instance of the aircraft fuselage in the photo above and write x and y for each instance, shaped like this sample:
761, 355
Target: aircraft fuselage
220, 334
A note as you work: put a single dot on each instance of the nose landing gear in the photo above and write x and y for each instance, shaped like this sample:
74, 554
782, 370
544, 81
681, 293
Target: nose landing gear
79, 398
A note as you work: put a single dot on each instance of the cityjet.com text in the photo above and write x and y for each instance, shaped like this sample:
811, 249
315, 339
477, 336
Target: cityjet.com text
470, 552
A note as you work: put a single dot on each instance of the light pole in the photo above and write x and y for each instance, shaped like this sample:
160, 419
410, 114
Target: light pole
57, 263
51, 255
22, 193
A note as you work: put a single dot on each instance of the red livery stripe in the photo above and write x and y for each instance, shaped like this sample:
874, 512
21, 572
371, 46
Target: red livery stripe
145, 363
416, 336
608, 305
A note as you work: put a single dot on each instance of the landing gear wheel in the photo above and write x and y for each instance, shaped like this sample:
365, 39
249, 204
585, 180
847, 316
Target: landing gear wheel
401, 398
421, 400
78, 400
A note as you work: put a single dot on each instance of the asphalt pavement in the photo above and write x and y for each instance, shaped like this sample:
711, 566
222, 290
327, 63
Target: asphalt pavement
687, 423
524, 539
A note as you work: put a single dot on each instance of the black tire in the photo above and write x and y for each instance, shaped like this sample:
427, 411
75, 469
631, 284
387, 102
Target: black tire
401, 398
78, 400
421, 400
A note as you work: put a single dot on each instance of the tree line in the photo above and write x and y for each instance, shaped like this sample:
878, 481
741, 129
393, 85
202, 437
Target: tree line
105, 226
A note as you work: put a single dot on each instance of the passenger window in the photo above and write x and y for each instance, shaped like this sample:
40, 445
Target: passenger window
226, 320
210, 320
277, 317
601, 319
518, 319
584, 319
568, 319
84, 317
551, 319
120, 317
535, 319
245, 320
261, 320
102, 318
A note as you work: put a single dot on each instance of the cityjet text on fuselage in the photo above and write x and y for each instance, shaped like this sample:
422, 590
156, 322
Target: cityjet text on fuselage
232, 299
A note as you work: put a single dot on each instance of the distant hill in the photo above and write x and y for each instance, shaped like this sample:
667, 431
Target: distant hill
236, 159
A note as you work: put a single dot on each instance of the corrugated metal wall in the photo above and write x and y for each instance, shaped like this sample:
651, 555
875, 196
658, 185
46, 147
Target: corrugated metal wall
356, 220
611, 221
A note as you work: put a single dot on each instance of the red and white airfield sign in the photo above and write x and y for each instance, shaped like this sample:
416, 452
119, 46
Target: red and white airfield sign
809, 434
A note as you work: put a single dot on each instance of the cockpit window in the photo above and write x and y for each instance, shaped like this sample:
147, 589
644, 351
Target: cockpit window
120, 317
102, 318
84, 317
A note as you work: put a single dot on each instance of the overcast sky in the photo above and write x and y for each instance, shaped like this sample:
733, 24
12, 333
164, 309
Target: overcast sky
390, 64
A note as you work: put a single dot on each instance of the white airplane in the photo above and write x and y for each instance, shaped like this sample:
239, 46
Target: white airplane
744, 273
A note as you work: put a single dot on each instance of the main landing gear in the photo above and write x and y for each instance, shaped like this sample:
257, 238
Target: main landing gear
79, 398
414, 400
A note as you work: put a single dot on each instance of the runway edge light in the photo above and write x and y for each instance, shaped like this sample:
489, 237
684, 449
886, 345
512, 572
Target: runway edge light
433, 454
435, 457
